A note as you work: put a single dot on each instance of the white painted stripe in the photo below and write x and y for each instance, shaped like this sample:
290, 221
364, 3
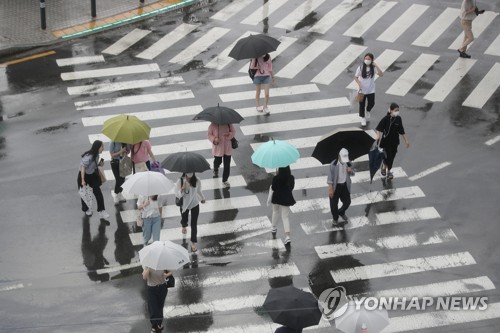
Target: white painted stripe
126, 41
117, 268
289, 125
402, 23
222, 59
417, 69
132, 100
322, 226
285, 43
360, 199
333, 16
311, 162
80, 60
258, 15
485, 89
305, 58
200, 45
403, 267
237, 247
429, 171
480, 24
243, 237
384, 61
125, 85
385, 243
261, 328
231, 82
494, 48
301, 11
282, 91
436, 28
339, 64
441, 318
364, 23
230, 10
450, 79
182, 111
167, 41
114, 71
492, 141
12, 287
211, 229
407, 215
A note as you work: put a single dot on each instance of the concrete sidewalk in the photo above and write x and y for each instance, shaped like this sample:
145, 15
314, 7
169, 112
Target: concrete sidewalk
20, 25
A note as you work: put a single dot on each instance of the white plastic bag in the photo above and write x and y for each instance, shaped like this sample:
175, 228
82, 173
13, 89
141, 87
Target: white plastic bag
352, 99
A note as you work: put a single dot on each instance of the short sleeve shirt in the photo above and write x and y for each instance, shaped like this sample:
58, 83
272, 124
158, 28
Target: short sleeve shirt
368, 83
391, 128
89, 164
140, 151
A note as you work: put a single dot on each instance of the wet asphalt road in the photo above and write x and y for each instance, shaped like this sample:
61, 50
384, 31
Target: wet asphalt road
50, 251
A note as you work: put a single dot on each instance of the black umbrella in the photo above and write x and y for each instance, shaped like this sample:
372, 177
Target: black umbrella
254, 46
354, 139
292, 307
185, 162
375, 157
219, 115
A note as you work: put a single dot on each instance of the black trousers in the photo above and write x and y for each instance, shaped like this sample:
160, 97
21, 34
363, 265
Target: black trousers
195, 211
390, 154
227, 163
371, 103
95, 183
156, 302
341, 192
115, 167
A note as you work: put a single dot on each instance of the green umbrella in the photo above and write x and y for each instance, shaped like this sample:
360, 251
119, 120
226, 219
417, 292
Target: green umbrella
126, 129
275, 154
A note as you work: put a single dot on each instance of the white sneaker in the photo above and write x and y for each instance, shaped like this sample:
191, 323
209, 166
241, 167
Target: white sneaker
226, 184
367, 114
363, 122
88, 212
287, 240
121, 197
103, 214
266, 110
259, 109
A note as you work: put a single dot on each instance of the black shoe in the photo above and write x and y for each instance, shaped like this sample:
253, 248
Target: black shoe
273, 233
216, 173
345, 218
335, 223
463, 54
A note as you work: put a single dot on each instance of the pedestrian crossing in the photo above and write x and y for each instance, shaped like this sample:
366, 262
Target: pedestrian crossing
306, 113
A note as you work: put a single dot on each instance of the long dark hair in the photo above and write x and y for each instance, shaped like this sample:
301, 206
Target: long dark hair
284, 172
372, 68
193, 180
94, 150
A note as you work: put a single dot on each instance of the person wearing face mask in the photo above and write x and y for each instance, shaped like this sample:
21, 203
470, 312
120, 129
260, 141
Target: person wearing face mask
339, 186
365, 78
387, 134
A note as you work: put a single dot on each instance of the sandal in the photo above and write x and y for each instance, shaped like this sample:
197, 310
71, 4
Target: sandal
184, 230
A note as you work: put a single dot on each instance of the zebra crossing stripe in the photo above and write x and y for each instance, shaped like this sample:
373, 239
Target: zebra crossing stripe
285, 43
384, 60
125, 85
450, 79
494, 48
257, 223
302, 60
230, 10
263, 12
243, 237
126, 41
339, 64
167, 41
429, 171
485, 89
114, 71
147, 115
402, 23
417, 69
360, 199
222, 59
333, 16
133, 100
403, 267
265, 328
230, 82
282, 91
437, 27
385, 243
318, 227
480, 24
200, 45
441, 318
364, 23
12, 287
237, 246
290, 22
80, 60
492, 141
117, 268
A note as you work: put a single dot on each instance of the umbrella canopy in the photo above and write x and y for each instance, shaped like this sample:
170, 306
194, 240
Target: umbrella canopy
253, 46
375, 157
219, 115
354, 139
164, 255
148, 183
185, 162
292, 307
352, 320
126, 129
275, 154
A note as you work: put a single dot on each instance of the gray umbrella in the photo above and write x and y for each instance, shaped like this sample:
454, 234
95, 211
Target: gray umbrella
219, 115
254, 46
185, 162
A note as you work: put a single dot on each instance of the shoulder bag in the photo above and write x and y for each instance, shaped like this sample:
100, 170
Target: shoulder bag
179, 201
234, 142
252, 71
170, 281
125, 166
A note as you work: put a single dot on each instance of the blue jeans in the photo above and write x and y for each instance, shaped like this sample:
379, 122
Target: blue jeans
152, 226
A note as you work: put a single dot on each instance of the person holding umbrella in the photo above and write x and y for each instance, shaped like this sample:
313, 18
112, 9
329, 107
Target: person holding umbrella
282, 199
157, 293
339, 185
263, 76
118, 150
150, 209
220, 135
141, 153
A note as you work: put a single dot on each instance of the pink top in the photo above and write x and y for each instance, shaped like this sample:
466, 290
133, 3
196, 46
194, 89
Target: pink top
225, 133
141, 151
264, 67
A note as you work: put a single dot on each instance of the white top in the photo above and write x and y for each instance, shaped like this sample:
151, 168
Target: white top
191, 196
467, 5
342, 173
153, 209
368, 84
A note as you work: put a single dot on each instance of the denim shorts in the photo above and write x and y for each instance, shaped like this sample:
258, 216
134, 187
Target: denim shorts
266, 79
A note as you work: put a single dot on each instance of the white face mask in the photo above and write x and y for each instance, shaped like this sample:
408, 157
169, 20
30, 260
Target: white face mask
395, 113
368, 62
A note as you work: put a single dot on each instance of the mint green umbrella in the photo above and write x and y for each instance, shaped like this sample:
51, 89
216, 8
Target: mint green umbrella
275, 154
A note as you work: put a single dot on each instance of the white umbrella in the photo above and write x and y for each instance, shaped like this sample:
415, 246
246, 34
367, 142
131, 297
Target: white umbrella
148, 183
164, 255
354, 319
